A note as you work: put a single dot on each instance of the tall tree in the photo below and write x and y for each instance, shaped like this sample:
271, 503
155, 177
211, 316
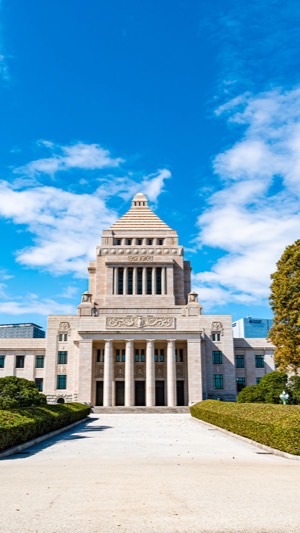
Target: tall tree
285, 302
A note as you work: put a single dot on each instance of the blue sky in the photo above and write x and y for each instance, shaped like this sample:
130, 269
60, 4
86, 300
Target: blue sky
195, 103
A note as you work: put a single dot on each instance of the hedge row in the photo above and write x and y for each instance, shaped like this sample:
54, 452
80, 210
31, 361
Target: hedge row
277, 426
26, 423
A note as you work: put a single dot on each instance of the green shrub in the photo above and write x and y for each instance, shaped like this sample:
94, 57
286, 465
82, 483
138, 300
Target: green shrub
23, 424
267, 391
19, 392
277, 426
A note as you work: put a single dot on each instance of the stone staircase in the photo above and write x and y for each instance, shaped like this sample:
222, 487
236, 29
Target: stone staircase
139, 410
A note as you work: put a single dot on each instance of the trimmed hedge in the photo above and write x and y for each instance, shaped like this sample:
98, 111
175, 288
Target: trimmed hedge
26, 423
277, 426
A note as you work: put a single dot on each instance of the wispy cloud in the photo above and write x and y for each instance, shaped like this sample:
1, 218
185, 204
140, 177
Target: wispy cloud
255, 214
34, 305
75, 156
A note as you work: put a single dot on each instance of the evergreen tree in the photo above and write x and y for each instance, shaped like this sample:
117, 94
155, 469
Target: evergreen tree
285, 302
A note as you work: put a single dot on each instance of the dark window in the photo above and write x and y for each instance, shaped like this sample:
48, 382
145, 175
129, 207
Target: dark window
218, 381
139, 242
150, 242
179, 355
162, 355
156, 355
216, 337
217, 358
39, 383
61, 381
240, 384
2, 361
149, 280
63, 337
118, 242
258, 380
160, 241
123, 355
130, 281
120, 280
62, 358
158, 280
137, 356
20, 361
60, 337
129, 242
39, 361
140, 281
142, 355
117, 356
240, 361
259, 361
100, 355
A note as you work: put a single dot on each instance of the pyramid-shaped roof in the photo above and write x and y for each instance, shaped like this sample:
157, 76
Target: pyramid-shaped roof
140, 217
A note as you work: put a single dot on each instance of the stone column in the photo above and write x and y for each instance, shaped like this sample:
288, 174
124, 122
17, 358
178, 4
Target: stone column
163, 280
108, 373
116, 280
85, 371
153, 280
125, 280
171, 374
150, 373
194, 368
134, 272
129, 374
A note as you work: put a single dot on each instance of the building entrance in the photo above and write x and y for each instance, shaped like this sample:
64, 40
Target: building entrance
120, 393
159, 393
99, 393
140, 393
180, 392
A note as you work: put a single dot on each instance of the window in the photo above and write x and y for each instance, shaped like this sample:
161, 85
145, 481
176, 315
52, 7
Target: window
140, 355
240, 384
140, 281
63, 337
39, 361
139, 242
216, 337
158, 280
149, 280
218, 381
123, 355
118, 356
128, 242
160, 242
156, 355
62, 358
118, 242
120, 280
20, 361
258, 380
100, 355
179, 355
162, 356
39, 384
240, 361
217, 357
2, 361
259, 361
61, 381
150, 242
130, 281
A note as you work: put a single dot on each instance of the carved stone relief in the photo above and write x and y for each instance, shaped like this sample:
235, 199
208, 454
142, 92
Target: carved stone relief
159, 371
148, 321
217, 326
64, 326
139, 371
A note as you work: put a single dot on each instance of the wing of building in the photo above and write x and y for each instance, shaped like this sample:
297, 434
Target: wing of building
140, 337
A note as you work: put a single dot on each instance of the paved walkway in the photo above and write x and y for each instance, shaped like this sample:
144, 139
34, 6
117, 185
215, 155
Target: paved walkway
148, 473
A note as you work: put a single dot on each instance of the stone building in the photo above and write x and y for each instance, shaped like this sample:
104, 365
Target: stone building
140, 337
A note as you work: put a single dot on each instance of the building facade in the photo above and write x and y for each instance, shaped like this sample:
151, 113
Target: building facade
140, 337
28, 330
251, 327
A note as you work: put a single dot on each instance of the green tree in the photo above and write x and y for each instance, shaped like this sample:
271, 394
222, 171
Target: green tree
19, 392
267, 391
293, 389
285, 302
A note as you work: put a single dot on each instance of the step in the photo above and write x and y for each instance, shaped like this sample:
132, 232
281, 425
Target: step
140, 410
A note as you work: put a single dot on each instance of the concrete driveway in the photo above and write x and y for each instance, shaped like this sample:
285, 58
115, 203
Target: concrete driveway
148, 473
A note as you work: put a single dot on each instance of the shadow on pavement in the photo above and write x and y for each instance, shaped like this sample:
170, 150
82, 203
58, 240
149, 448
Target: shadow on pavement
75, 433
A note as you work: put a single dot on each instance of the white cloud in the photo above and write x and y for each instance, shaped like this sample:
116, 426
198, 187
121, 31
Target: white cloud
31, 306
78, 155
255, 214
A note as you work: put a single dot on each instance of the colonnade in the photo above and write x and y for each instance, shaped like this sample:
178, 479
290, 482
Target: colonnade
143, 280
129, 373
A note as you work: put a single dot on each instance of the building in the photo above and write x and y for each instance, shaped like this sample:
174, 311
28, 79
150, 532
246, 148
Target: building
140, 336
251, 327
32, 331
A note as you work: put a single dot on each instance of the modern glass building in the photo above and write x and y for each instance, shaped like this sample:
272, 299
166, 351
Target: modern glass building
28, 330
251, 327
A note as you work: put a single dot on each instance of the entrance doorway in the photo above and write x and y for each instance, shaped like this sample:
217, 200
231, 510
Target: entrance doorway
99, 392
140, 393
159, 393
180, 392
120, 393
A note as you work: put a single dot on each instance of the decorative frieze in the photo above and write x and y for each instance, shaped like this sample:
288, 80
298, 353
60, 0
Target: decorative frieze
140, 258
140, 322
